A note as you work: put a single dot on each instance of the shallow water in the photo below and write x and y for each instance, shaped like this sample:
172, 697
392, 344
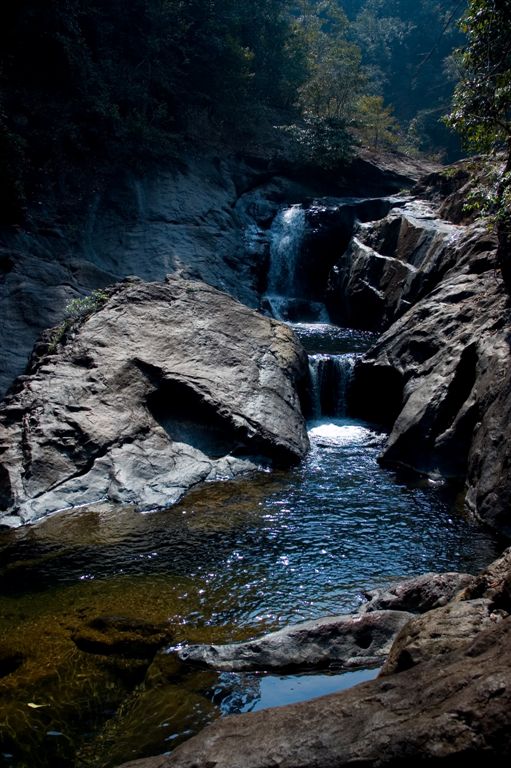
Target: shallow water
229, 562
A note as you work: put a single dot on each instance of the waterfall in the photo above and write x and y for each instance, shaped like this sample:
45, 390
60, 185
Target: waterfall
287, 297
330, 376
286, 238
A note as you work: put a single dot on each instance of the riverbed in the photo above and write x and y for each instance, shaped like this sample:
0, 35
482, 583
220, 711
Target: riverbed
231, 561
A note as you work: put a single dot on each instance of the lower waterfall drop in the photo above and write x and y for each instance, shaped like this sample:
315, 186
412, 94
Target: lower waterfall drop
330, 376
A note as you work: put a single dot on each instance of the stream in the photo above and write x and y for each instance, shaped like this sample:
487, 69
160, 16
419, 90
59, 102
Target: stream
229, 562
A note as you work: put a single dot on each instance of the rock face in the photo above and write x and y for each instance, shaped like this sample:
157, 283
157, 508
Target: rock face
205, 219
442, 372
444, 696
440, 631
166, 386
450, 713
348, 641
390, 263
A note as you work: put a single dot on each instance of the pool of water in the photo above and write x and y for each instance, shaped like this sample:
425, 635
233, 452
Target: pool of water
230, 561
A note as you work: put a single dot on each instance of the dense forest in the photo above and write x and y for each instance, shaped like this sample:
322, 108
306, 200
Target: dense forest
104, 84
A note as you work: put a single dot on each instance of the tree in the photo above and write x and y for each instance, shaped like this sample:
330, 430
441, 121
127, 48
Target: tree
405, 46
335, 79
481, 109
376, 123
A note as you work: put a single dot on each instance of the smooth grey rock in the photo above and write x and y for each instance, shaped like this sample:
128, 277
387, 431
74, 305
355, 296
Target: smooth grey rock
348, 641
418, 595
446, 712
166, 386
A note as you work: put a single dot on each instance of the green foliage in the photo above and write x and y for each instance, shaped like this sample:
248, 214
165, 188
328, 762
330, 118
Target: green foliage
76, 312
104, 86
406, 48
335, 78
481, 109
377, 126
320, 140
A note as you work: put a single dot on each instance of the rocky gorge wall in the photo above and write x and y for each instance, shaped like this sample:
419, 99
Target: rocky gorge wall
204, 219
391, 264
439, 375
91, 410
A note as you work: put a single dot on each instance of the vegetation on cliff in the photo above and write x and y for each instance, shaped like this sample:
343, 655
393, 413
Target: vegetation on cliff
99, 85
481, 110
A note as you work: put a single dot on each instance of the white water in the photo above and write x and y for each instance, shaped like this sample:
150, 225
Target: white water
286, 237
286, 295
330, 376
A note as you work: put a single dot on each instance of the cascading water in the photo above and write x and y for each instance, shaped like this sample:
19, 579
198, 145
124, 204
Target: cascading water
330, 376
230, 561
285, 244
286, 295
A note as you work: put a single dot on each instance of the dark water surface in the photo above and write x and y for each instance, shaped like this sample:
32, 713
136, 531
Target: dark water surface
231, 561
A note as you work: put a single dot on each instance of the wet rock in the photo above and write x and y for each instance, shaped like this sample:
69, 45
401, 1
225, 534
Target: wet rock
438, 632
443, 374
390, 263
418, 595
452, 711
347, 641
164, 387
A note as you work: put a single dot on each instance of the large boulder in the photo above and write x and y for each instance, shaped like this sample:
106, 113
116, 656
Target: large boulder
165, 386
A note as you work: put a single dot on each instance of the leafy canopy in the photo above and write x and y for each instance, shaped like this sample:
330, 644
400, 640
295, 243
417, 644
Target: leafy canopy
481, 109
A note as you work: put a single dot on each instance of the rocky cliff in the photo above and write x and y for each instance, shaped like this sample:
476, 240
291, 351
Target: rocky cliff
441, 369
205, 219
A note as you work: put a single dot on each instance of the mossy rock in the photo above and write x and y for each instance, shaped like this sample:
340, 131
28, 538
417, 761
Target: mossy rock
122, 635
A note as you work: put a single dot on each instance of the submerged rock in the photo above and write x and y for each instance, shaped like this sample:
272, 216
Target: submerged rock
164, 387
120, 635
346, 641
